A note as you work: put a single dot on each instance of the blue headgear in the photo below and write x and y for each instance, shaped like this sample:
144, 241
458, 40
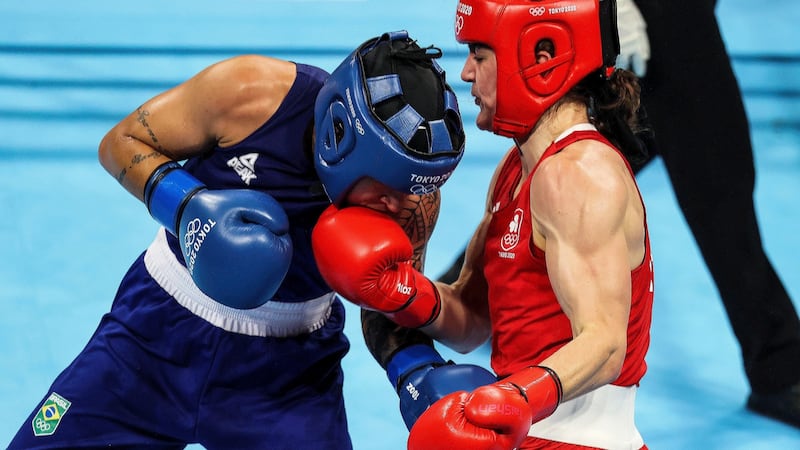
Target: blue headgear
387, 113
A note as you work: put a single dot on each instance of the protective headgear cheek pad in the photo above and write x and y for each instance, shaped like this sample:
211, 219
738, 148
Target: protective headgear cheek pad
352, 142
583, 33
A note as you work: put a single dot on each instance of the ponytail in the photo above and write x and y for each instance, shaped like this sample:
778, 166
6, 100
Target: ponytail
614, 108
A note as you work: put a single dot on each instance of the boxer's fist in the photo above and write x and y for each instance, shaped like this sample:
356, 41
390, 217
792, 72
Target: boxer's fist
494, 417
421, 377
235, 242
367, 258
236, 245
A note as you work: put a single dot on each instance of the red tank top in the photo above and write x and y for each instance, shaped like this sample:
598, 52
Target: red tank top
528, 324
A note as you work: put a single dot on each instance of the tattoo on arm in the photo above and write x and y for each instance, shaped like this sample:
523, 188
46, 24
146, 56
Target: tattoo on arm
137, 159
382, 336
418, 219
141, 117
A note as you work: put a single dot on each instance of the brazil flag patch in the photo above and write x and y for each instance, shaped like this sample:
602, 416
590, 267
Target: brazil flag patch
49, 415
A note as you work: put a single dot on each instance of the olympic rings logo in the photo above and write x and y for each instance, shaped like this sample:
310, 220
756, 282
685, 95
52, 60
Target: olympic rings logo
421, 189
42, 424
192, 228
537, 11
459, 23
509, 241
511, 238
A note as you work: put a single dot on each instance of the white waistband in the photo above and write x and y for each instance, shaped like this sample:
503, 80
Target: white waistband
277, 319
603, 418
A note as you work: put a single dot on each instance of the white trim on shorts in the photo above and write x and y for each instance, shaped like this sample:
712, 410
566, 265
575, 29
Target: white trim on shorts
602, 418
275, 319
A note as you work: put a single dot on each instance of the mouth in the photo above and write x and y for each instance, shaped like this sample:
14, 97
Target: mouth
477, 100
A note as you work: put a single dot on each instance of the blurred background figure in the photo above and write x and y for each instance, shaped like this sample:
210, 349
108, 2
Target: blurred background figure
701, 131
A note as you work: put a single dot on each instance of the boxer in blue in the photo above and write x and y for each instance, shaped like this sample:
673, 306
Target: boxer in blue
223, 332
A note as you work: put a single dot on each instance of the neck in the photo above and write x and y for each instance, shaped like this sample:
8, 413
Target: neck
551, 125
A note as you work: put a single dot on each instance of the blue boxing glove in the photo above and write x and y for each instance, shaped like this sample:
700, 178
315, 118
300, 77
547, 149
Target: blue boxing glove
235, 242
421, 377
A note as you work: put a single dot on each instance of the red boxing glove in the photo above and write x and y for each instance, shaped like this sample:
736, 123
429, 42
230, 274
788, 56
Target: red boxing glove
491, 420
492, 417
367, 258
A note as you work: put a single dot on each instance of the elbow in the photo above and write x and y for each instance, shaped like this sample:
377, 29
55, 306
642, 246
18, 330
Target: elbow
115, 143
105, 150
615, 351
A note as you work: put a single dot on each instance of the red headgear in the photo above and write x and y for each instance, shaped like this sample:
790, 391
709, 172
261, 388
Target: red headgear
584, 33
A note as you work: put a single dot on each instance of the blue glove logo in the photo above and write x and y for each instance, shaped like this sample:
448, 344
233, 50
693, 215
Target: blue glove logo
412, 390
196, 233
191, 231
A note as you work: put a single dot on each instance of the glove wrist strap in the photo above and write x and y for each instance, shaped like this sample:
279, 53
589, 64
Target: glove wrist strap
410, 359
422, 309
167, 191
541, 388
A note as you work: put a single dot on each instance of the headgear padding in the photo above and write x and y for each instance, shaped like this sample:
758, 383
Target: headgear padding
388, 113
583, 32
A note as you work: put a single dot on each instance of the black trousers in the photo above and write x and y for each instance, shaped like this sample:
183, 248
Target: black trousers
702, 134
700, 130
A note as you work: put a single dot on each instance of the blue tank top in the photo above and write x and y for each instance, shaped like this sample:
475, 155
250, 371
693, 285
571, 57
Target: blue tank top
277, 158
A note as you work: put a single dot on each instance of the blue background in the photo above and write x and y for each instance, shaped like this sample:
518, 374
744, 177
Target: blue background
70, 70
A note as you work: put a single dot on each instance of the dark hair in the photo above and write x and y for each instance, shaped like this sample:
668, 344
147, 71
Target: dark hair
614, 108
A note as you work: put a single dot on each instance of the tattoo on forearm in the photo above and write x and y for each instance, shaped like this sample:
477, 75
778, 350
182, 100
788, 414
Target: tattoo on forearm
418, 219
141, 117
382, 336
137, 159
121, 175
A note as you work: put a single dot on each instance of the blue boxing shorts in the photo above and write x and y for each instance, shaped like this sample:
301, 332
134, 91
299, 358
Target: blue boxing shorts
156, 375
